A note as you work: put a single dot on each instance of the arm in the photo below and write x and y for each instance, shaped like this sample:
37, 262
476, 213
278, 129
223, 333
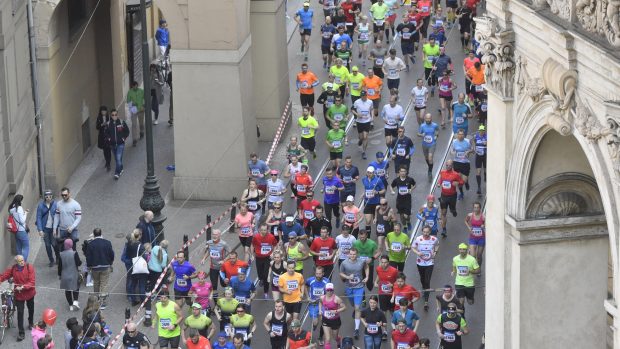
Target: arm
78, 216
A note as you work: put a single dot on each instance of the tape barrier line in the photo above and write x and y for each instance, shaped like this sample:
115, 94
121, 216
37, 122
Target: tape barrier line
280, 130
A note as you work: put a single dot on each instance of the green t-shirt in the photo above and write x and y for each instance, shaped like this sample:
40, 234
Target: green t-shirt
200, 323
430, 54
356, 84
227, 306
463, 267
398, 246
341, 74
336, 139
338, 113
379, 11
344, 55
244, 321
367, 249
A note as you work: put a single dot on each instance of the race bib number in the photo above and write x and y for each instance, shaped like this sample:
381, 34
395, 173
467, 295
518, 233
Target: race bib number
338, 117
245, 230
349, 217
428, 139
483, 107
275, 280
430, 223
397, 246
318, 292
426, 255
327, 35
449, 336
336, 144
380, 172
403, 190
308, 214
400, 151
459, 119
438, 22
355, 280
372, 328
392, 73
265, 249
420, 101
273, 190
338, 80
347, 178
460, 155
330, 190
165, 322
406, 36
329, 314
215, 254
324, 256
430, 59
463, 270
424, 8
301, 187
379, 61
476, 231
244, 332
305, 131
397, 299
355, 85
371, 92
252, 205
401, 345
386, 288
181, 282
479, 88
380, 228
240, 299
292, 285
480, 150
365, 112
379, 22
364, 36
304, 84
277, 329
446, 184
444, 88
370, 193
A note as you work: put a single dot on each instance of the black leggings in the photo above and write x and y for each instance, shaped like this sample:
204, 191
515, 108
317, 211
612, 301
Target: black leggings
20, 313
262, 270
72, 296
425, 278
329, 208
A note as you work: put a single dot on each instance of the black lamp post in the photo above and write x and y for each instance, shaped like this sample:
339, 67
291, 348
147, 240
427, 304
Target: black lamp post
151, 198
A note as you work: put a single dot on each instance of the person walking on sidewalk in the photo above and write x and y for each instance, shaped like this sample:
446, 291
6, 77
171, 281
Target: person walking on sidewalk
135, 101
99, 260
22, 243
67, 217
102, 141
145, 224
45, 221
117, 133
23, 275
68, 272
157, 95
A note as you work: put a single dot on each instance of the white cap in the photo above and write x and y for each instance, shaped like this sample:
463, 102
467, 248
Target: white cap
350, 198
289, 219
370, 169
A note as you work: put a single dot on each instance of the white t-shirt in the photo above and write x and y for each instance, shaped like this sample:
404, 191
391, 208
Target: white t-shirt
273, 188
364, 110
392, 115
345, 244
426, 247
293, 170
420, 96
392, 66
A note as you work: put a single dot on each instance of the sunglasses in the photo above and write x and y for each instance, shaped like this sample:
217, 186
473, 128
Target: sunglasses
131, 332
64, 195
240, 311
383, 204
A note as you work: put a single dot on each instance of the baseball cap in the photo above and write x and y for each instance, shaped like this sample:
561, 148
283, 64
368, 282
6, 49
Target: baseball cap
222, 335
462, 245
162, 21
355, 68
196, 306
47, 192
295, 323
306, 4
329, 85
430, 198
350, 198
363, 93
289, 219
481, 128
292, 235
380, 154
273, 172
329, 286
370, 169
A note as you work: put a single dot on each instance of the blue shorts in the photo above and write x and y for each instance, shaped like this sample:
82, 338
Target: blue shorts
355, 295
313, 310
455, 128
477, 242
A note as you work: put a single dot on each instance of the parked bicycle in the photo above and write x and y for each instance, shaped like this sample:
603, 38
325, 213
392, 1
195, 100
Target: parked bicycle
7, 310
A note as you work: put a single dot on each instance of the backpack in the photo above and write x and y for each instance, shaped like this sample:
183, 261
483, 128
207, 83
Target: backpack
11, 224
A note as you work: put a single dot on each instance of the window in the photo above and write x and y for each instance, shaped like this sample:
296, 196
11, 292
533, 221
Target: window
76, 14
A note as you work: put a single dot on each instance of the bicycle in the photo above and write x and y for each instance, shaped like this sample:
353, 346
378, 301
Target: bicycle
6, 311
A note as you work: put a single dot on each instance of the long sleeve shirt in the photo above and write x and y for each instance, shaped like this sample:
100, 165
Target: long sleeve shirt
68, 215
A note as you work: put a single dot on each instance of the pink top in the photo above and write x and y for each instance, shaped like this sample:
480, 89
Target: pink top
350, 216
202, 293
477, 229
245, 224
329, 308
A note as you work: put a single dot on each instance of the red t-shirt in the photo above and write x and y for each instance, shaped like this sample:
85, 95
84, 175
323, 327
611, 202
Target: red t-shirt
409, 338
326, 247
203, 343
425, 7
386, 276
307, 210
302, 183
445, 181
263, 245
350, 17
231, 270
407, 291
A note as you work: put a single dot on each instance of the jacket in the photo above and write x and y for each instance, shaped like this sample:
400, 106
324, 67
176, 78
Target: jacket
148, 231
25, 277
102, 126
43, 212
99, 253
117, 131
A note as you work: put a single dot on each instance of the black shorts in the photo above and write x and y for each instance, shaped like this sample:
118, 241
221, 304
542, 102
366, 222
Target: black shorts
376, 102
465, 292
305, 32
465, 27
370, 208
334, 324
246, 241
363, 127
481, 161
384, 302
335, 155
407, 49
378, 71
308, 143
403, 206
307, 100
447, 98
393, 84
292, 307
462, 167
325, 50
390, 132
182, 295
378, 28
419, 108
448, 202
452, 3
172, 342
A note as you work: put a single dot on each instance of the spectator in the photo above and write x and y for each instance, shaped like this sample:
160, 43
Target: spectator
103, 118
90, 339
92, 312
158, 261
45, 223
145, 225
137, 283
38, 332
135, 102
99, 259
133, 337
76, 334
45, 342
67, 218
71, 322
163, 37
68, 271
22, 243
23, 275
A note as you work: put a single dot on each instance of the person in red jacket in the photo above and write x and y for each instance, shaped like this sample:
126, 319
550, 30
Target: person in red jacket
23, 275
264, 243
448, 181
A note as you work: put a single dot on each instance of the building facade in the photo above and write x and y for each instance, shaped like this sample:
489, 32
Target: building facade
553, 76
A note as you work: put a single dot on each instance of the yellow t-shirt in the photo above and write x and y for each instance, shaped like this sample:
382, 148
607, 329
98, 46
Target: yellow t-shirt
341, 74
356, 83
307, 126
291, 283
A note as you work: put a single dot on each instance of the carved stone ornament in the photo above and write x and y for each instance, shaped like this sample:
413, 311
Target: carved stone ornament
496, 47
601, 17
561, 8
613, 142
532, 87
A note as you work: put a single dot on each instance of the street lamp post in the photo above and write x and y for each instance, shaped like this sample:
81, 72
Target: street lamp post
151, 198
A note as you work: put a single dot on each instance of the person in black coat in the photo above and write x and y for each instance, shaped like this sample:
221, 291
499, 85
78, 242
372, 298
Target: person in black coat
117, 133
102, 143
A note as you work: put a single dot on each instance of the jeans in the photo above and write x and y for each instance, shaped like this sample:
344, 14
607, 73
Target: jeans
20, 313
48, 239
372, 341
100, 280
22, 244
137, 286
118, 158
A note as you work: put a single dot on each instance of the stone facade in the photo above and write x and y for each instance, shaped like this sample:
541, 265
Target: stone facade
553, 68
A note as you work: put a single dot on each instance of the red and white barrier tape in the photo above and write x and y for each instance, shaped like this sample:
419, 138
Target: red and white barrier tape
163, 273
279, 131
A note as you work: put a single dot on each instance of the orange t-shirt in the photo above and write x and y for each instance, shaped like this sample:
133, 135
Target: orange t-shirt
476, 76
231, 270
291, 283
203, 343
468, 63
372, 86
305, 82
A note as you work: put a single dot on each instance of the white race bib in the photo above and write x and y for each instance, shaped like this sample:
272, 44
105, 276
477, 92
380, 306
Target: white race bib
349, 217
403, 190
462, 270
479, 88
277, 329
369, 193
428, 139
372, 328
380, 228
329, 314
336, 144
459, 119
165, 322
318, 292
330, 190
255, 172
449, 337
400, 151
379, 61
252, 205
181, 282
301, 187
397, 246
476, 231
386, 288
308, 214
371, 92
292, 285
446, 184
265, 249
305, 131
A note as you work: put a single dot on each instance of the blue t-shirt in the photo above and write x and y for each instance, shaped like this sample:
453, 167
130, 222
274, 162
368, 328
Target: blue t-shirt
316, 287
375, 184
459, 110
403, 147
242, 289
460, 149
258, 168
305, 18
285, 229
327, 31
380, 168
330, 186
481, 144
348, 175
410, 317
428, 133
431, 216
341, 38
181, 284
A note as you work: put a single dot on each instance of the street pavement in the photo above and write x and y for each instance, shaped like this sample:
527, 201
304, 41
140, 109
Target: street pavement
114, 205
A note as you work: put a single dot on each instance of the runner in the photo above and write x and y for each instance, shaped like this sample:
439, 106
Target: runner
350, 175
396, 245
338, 112
381, 166
352, 216
315, 289
431, 53
328, 100
379, 11
392, 115
244, 226
202, 290
329, 7
323, 251
275, 189
291, 225
253, 198
168, 319
243, 324
425, 7
445, 298
182, 273
425, 247
231, 267
291, 171
462, 113
355, 272
224, 308
355, 81
403, 337
450, 328
257, 170
475, 222
274, 219
362, 109
332, 186
404, 185
330, 307
404, 313
402, 151
345, 242
368, 251
448, 181
377, 56
402, 290
293, 148
480, 142
343, 52
392, 66
419, 93
446, 86
303, 183
386, 277
429, 131
468, 63
335, 143
350, 12
464, 266
475, 75
461, 149
276, 324
384, 220
292, 287
295, 251
465, 16
264, 243
216, 250
373, 189
374, 322
298, 338
305, 210
243, 288
308, 127
429, 214
305, 83
276, 269
451, 5
303, 17
341, 76
372, 85
439, 34
362, 29
317, 223
407, 31
327, 32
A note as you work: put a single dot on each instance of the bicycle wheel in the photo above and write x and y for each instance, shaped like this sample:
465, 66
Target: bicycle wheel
5, 322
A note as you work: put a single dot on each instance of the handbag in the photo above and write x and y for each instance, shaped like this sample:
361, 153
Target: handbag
139, 263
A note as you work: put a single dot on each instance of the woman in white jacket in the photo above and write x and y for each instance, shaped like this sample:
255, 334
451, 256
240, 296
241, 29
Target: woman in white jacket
21, 236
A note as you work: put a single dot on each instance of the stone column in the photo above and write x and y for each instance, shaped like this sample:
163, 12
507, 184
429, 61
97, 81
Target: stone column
270, 63
214, 124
